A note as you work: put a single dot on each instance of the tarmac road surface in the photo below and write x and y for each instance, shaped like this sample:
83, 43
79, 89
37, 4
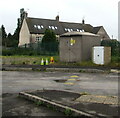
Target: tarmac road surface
93, 83
14, 82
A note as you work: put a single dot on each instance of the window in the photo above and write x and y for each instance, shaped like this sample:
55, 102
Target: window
56, 27
53, 27
65, 29
42, 26
38, 38
77, 30
69, 30
39, 27
35, 26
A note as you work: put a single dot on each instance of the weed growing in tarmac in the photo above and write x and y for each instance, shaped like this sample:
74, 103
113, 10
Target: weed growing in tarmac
82, 71
39, 103
49, 106
68, 112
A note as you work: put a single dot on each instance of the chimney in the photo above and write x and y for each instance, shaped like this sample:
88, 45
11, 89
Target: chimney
57, 18
83, 21
25, 14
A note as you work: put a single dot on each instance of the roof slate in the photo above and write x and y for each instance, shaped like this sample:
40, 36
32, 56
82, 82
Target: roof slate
96, 29
61, 27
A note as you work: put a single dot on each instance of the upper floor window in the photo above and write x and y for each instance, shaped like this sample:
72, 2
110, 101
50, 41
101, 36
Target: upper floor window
53, 27
35, 26
38, 26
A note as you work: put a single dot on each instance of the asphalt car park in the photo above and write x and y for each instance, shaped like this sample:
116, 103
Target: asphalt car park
14, 82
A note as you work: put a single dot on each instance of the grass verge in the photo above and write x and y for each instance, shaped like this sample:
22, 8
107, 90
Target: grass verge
36, 60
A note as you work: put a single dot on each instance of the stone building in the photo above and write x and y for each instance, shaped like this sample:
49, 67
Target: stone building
32, 29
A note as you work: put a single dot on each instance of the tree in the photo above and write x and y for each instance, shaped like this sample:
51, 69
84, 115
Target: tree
10, 40
4, 36
49, 36
114, 44
16, 34
49, 42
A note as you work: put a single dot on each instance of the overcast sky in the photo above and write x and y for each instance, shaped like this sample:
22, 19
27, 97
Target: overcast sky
95, 12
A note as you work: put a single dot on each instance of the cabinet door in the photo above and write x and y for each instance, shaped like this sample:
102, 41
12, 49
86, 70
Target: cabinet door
98, 56
64, 50
70, 50
74, 50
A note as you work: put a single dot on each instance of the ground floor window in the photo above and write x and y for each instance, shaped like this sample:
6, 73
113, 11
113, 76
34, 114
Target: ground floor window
38, 38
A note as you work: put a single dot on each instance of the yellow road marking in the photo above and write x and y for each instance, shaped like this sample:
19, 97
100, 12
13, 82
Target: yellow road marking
69, 83
74, 76
71, 79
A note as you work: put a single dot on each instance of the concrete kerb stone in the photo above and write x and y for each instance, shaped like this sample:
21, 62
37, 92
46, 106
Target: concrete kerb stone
76, 70
54, 69
115, 71
16, 69
59, 107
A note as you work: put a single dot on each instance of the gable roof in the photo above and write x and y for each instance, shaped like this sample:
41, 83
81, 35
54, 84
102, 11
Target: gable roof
46, 23
38, 26
96, 29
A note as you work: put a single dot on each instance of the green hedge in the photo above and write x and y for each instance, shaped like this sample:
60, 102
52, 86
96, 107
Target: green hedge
18, 51
115, 46
26, 51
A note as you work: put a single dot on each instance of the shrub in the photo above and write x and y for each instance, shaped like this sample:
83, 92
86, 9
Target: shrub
68, 112
114, 44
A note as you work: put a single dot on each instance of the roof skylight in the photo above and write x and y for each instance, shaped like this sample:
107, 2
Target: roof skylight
35, 26
53, 27
78, 30
65, 29
69, 30
56, 27
39, 27
42, 26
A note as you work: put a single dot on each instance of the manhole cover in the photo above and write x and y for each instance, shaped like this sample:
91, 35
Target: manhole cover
60, 80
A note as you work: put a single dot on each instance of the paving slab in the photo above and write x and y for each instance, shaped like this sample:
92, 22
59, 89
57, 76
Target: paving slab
111, 100
84, 98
